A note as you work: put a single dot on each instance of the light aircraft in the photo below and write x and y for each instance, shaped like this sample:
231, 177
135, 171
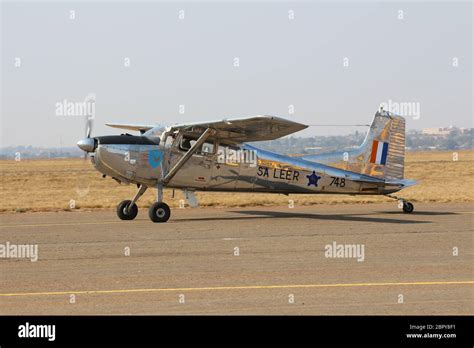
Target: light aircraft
214, 156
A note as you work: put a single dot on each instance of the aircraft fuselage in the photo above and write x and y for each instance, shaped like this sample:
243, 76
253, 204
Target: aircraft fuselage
238, 168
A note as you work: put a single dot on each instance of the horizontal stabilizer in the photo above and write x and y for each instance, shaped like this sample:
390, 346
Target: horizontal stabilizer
402, 182
395, 182
368, 179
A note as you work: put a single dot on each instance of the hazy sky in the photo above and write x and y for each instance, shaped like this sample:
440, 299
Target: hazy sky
334, 62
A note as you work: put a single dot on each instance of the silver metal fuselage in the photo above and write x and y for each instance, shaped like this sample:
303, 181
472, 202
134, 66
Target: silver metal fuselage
148, 163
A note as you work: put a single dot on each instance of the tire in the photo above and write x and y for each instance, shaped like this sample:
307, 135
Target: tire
123, 214
159, 212
408, 207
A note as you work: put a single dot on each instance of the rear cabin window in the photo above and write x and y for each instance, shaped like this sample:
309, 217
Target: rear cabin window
207, 148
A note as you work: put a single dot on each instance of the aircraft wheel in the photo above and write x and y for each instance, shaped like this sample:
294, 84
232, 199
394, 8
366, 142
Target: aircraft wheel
408, 207
159, 212
127, 214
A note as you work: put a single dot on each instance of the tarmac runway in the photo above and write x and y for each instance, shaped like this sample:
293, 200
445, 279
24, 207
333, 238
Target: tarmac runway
243, 261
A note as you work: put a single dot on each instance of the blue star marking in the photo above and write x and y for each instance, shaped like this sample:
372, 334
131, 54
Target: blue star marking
154, 158
313, 179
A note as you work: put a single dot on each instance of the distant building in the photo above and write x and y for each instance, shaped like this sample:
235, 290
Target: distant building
438, 131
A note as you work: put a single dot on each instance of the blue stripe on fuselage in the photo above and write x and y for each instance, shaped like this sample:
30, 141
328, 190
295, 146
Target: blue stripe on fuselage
384, 153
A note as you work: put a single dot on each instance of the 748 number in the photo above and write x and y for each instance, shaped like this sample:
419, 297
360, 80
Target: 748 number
339, 182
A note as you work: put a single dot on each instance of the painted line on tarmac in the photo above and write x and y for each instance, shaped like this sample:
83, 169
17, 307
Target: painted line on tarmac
247, 287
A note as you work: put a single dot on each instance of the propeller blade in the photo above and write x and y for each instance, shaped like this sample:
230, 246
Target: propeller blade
88, 130
89, 123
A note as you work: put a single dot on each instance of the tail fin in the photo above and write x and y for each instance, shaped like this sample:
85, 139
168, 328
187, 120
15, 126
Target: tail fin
383, 149
381, 155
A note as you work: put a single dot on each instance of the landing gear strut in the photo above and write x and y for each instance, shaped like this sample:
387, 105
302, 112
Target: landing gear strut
407, 207
159, 211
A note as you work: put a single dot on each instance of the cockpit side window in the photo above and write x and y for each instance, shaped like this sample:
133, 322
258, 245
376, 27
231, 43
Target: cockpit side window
186, 143
207, 148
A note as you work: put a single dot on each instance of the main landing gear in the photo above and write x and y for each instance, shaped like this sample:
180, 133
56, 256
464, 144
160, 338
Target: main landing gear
407, 207
158, 212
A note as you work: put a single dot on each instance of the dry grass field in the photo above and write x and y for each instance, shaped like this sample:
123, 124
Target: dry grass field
52, 185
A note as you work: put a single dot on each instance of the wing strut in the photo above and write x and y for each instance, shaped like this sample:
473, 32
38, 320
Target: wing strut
187, 155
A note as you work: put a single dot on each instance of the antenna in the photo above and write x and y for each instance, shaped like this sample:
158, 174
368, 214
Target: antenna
338, 125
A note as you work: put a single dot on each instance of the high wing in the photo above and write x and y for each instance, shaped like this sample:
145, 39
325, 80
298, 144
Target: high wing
239, 130
135, 127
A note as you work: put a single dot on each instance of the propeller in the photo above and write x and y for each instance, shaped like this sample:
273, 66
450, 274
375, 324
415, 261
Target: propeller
88, 131
89, 124
88, 144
